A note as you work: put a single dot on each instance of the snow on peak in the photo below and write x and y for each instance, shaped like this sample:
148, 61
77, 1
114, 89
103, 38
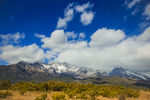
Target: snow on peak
119, 71
64, 68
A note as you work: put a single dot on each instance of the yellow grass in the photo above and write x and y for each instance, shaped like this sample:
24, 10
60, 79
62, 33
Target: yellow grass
31, 95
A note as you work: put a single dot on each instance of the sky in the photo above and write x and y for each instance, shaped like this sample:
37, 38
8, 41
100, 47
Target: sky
99, 34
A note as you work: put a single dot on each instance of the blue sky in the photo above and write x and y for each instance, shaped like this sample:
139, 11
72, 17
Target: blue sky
43, 28
32, 16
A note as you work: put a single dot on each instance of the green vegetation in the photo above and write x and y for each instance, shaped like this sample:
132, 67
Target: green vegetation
22, 92
5, 94
81, 96
59, 97
73, 90
42, 97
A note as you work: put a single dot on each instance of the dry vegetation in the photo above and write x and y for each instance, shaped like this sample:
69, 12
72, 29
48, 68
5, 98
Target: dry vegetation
32, 95
68, 91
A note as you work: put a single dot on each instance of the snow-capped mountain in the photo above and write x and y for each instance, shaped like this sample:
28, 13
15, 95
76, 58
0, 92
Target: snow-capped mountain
121, 72
63, 69
72, 70
43, 72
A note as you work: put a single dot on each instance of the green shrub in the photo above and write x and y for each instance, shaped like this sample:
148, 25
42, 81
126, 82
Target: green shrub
58, 86
43, 87
71, 93
22, 92
81, 96
5, 94
59, 97
42, 97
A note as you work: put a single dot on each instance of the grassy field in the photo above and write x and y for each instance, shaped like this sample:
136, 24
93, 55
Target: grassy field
32, 95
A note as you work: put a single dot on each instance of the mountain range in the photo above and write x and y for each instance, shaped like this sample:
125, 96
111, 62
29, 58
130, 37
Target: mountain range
40, 72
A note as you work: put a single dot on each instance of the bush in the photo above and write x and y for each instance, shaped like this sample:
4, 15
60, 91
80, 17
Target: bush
81, 96
22, 92
42, 97
71, 93
5, 94
59, 97
43, 87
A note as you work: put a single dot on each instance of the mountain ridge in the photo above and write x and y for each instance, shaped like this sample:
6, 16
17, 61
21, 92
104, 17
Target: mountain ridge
43, 72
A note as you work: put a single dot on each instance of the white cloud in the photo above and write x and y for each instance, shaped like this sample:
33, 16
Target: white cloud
11, 38
14, 54
68, 16
62, 23
56, 42
145, 36
106, 37
132, 3
87, 17
112, 49
82, 8
147, 12
71, 35
107, 48
39, 35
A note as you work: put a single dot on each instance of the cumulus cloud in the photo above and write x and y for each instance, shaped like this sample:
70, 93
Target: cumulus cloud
57, 41
110, 48
11, 38
87, 17
13, 54
60, 41
147, 12
85, 10
106, 37
39, 35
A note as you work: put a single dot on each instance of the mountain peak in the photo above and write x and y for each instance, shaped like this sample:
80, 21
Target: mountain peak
22, 62
37, 63
121, 72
